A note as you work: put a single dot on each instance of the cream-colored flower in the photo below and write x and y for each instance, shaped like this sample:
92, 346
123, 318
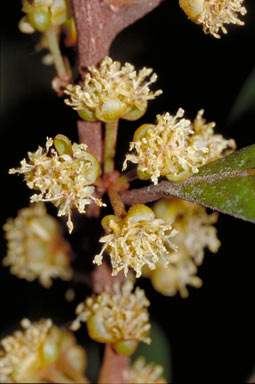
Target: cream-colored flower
116, 317
175, 147
195, 229
136, 240
19, 361
40, 353
213, 14
36, 248
175, 277
63, 179
112, 91
204, 135
142, 373
195, 232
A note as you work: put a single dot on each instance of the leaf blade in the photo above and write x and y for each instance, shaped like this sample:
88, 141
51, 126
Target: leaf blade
226, 185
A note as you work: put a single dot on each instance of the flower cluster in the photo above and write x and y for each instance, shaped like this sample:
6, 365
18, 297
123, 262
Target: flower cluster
36, 248
213, 14
146, 373
112, 91
63, 176
119, 317
39, 353
175, 147
136, 240
195, 232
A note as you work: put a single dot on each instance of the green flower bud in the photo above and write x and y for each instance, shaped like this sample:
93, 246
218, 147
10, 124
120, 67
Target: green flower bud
87, 114
125, 347
24, 25
133, 113
63, 145
97, 331
39, 19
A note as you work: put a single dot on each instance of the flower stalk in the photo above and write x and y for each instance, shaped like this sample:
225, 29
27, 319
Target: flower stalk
111, 131
52, 37
116, 202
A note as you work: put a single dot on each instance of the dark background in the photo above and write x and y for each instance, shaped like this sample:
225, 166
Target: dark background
211, 334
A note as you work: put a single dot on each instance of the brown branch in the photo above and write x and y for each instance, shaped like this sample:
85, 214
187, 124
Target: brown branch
98, 22
115, 368
101, 277
91, 134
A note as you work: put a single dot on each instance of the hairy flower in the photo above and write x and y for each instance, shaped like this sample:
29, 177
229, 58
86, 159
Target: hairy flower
112, 91
146, 373
39, 353
213, 14
136, 240
119, 317
195, 232
62, 177
175, 277
35, 246
175, 147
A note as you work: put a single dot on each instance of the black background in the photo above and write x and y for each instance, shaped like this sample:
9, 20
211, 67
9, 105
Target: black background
211, 333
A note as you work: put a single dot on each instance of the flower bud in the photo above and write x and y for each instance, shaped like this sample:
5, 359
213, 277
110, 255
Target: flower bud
24, 25
126, 347
39, 19
87, 114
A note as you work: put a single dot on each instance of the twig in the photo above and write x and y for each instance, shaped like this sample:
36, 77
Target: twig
115, 368
91, 134
110, 371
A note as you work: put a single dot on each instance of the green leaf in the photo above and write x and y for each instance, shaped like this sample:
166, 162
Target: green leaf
226, 185
158, 351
